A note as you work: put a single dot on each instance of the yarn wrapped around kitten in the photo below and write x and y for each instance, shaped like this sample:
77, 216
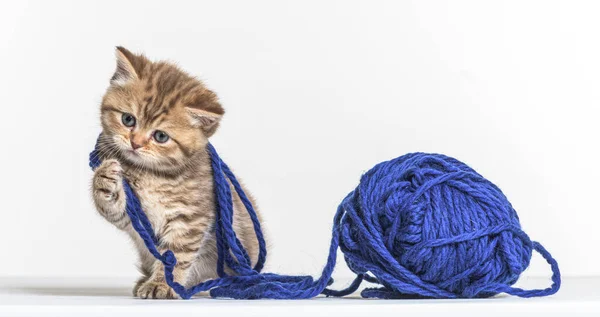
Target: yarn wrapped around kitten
427, 225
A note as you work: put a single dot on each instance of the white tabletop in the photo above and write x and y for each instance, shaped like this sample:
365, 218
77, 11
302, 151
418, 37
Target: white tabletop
112, 297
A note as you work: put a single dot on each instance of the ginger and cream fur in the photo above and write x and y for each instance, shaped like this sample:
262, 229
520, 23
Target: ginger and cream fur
173, 178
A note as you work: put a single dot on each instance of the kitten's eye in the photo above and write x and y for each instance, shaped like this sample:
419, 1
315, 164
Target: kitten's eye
128, 120
160, 136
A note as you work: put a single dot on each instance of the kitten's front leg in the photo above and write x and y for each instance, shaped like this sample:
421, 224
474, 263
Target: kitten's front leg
109, 196
184, 239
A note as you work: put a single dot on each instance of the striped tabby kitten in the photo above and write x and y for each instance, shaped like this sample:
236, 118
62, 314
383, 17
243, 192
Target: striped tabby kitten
156, 122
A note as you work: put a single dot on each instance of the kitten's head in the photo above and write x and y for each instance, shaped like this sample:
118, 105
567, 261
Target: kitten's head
156, 116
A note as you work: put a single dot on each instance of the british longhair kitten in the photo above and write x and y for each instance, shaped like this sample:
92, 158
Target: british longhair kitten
156, 121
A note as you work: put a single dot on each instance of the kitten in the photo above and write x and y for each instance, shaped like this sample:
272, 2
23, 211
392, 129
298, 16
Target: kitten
156, 121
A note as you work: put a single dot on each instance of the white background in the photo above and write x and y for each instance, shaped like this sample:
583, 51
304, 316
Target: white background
316, 92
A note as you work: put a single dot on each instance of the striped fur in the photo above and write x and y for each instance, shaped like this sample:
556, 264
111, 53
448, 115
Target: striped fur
173, 179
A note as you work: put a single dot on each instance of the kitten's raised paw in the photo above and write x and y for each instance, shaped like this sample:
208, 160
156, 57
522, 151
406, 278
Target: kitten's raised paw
108, 180
108, 193
155, 290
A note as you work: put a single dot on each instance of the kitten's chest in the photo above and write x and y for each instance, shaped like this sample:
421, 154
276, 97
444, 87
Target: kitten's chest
163, 198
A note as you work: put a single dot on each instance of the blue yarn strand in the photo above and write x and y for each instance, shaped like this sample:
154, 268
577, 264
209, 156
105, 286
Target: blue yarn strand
420, 226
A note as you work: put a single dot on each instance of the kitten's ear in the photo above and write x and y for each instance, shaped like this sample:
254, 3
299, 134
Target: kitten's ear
203, 118
126, 71
206, 112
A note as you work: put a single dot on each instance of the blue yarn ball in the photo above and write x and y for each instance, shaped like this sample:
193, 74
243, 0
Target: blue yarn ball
427, 225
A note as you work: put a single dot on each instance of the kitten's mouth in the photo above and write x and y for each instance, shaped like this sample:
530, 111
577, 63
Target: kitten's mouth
133, 155
133, 152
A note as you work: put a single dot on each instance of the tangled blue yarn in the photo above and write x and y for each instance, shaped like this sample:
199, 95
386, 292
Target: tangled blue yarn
420, 226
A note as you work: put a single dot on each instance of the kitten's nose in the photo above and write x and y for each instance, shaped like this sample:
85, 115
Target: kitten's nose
135, 146
137, 140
